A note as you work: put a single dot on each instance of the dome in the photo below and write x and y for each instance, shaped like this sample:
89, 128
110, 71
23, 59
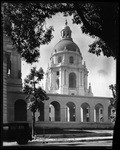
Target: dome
66, 44
66, 28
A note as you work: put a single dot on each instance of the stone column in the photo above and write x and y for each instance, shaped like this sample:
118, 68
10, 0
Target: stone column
60, 81
46, 111
105, 114
29, 116
91, 113
63, 114
78, 114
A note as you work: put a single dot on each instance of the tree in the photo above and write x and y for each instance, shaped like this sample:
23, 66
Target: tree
25, 24
100, 19
34, 94
113, 101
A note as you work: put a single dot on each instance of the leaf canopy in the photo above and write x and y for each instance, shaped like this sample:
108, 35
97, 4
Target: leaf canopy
25, 23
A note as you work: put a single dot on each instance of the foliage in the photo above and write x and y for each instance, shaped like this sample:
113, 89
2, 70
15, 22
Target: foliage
35, 95
25, 24
113, 101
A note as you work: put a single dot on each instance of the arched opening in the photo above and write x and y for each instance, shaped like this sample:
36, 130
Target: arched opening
54, 111
70, 112
85, 112
20, 110
41, 111
59, 59
8, 56
72, 80
71, 60
111, 112
98, 113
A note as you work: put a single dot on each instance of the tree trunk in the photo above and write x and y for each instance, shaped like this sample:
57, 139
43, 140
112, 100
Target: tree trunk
33, 124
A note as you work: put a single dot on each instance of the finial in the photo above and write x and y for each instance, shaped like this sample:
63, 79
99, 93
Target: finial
66, 22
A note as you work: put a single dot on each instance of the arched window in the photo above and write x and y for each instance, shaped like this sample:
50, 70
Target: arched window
99, 113
59, 59
71, 60
54, 111
85, 112
70, 112
111, 112
72, 80
8, 55
57, 83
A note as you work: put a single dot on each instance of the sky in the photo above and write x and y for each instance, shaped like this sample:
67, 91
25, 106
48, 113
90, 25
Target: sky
102, 69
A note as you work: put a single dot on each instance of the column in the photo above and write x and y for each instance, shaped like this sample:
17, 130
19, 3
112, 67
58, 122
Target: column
65, 77
81, 78
105, 114
46, 111
94, 115
81, 114
78, 114
29, 116
91, 113
60, 81
63, 114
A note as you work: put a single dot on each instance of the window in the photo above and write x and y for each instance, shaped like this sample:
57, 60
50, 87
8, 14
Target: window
49, 109
71, 60
101, 111
8, 55
57, 84
72, 80
59, 59
87, 110
57, 73
65, 77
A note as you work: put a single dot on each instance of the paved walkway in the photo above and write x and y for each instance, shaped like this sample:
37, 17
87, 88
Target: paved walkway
81, 139
56, 139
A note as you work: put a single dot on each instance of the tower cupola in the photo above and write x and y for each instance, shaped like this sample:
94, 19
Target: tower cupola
66, 32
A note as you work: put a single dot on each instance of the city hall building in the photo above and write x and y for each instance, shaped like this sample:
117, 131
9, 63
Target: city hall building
71, 102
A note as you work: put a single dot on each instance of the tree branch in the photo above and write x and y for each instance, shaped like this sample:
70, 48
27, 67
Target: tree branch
90, 28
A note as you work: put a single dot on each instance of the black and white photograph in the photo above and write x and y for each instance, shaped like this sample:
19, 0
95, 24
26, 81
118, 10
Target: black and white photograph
60, 74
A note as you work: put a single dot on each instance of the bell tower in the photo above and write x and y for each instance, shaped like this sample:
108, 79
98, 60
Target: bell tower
14, 81
66, 32
67, 74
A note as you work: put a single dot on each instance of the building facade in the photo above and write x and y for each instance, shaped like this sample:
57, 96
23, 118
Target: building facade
71, 102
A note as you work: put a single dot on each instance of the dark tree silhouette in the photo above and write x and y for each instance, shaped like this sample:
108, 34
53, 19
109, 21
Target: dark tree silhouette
25, 24
113, 101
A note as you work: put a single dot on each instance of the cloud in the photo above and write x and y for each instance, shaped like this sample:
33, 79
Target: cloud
103, 72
